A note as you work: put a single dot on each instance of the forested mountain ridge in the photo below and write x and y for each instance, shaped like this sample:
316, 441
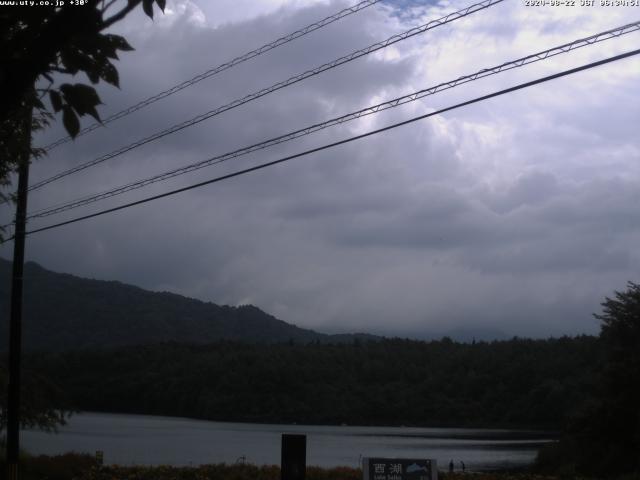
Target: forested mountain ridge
63, 312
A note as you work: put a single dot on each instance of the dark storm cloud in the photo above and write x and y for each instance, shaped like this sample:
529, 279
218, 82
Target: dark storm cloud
514, 216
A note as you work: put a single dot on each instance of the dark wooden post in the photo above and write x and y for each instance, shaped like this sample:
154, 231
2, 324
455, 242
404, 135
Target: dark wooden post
293, 463
15, 325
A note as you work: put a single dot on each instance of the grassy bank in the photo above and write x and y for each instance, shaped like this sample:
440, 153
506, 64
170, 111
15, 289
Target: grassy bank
83, 467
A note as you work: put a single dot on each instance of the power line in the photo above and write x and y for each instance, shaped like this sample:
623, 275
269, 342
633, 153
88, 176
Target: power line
599, 37
220, 68
265, 91
341, 142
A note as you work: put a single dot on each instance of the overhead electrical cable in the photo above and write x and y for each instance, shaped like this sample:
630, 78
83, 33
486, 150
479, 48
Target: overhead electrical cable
341, 142
536, 57
277, 86
220, 68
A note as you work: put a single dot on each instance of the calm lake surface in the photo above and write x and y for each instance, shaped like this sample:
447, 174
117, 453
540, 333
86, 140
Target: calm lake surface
147, 440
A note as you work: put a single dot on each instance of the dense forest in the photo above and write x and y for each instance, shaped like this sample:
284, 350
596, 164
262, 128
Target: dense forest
524, 383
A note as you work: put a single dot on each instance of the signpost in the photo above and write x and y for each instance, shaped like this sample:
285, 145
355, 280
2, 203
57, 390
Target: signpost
399, 469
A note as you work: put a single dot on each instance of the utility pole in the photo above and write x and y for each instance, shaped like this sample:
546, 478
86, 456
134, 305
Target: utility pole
15, 325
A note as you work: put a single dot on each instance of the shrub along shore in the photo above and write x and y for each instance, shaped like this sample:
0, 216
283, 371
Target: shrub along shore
74, 466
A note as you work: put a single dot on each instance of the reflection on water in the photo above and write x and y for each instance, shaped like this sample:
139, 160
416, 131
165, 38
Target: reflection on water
147, 440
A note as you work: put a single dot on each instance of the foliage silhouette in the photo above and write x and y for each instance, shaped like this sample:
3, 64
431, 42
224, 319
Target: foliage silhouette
39, 45
523, 383
603, 437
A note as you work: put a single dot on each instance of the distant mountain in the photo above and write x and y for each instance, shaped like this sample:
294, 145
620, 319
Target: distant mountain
64, 312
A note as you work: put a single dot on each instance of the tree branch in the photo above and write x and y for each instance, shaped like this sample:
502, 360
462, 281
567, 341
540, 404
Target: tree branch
107, 6
60, 70
120, 15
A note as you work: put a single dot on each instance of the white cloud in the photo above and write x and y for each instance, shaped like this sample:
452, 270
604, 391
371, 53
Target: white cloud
237, 11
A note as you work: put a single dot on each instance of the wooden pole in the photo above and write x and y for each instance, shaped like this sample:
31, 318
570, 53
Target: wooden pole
15, 325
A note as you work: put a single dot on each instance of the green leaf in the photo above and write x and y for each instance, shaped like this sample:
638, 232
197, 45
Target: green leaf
56, 100
119, 42
82, 98
70, 121
147, 6
110, 75
75, 59
93, 75
94, 113
69, 61
161, 4
102, 47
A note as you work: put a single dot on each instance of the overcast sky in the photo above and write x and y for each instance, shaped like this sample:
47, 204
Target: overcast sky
515, 216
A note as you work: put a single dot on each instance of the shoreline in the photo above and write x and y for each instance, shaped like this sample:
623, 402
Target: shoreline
85, 467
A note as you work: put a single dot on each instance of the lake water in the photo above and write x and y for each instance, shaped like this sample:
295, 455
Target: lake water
148, 440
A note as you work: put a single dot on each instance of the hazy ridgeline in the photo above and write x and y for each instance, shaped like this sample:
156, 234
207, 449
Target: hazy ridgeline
523, 383
65, 312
